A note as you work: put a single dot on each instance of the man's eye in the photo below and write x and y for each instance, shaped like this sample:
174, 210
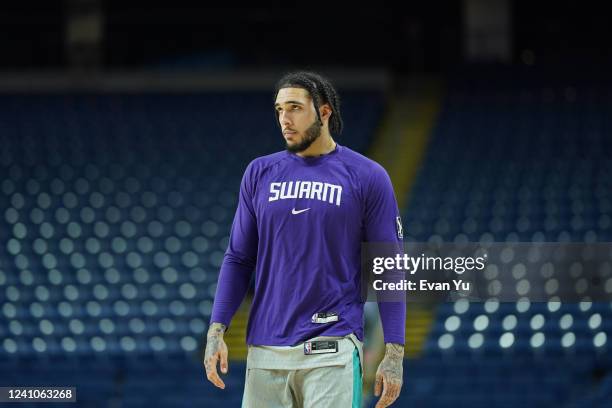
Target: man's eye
295, 107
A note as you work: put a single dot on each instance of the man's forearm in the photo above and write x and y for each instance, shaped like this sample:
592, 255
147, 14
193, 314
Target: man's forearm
394, 350
393, 320
232, 286
216, 329
391, 363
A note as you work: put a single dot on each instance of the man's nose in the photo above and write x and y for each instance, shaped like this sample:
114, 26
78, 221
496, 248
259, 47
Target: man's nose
284, 119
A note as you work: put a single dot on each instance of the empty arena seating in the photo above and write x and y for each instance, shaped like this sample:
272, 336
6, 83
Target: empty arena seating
516, 156
116, 210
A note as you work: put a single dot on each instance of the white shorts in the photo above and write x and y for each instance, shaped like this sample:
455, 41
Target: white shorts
286, 377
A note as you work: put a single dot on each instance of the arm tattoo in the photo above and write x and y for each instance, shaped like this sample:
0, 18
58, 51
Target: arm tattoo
215, 330
391, 365
394, 350
214, 337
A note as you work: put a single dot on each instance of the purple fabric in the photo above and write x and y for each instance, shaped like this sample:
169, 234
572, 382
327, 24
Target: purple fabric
299, 225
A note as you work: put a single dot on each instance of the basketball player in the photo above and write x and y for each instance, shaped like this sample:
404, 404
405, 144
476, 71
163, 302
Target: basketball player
302, 216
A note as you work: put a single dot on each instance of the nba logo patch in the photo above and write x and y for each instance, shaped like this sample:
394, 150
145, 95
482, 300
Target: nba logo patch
307, 347
400, 229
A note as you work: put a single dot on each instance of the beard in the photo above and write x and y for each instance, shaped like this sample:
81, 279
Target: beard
311, 134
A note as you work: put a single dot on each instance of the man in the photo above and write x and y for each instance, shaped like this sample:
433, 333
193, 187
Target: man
302, 216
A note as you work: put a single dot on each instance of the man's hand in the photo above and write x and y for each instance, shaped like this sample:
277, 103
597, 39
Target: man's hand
216, 350
389, 375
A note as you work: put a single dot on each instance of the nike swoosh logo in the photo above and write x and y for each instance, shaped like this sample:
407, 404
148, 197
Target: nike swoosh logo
296, 212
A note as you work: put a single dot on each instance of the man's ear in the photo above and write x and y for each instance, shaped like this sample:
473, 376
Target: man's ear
325, 111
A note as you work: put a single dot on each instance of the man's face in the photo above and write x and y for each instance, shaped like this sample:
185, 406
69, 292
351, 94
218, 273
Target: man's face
297, 118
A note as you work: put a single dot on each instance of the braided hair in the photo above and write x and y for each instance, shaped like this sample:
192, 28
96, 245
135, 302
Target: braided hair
321, 91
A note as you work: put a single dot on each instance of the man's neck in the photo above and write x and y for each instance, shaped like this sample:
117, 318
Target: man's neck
322, 145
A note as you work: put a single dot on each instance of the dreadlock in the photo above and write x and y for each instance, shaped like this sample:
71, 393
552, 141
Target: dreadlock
321, 91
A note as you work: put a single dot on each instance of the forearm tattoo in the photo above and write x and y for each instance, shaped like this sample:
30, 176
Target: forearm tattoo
390, 373
395, 351
391, 364
214, 339
215, 330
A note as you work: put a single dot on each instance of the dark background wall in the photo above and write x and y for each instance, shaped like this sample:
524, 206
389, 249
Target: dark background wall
418, 37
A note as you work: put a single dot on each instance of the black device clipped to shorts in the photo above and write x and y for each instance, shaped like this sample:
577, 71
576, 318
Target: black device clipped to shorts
320, 347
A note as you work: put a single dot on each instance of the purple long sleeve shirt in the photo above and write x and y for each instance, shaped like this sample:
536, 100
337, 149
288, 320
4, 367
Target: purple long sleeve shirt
299, 225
